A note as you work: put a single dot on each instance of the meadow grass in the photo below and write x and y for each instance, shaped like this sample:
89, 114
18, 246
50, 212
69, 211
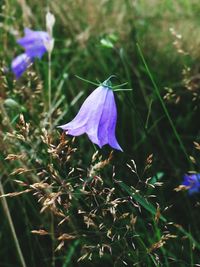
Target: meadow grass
66, 202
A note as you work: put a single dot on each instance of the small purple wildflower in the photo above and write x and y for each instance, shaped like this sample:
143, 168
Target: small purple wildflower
20, 64
35, 43
97, 118
192, 181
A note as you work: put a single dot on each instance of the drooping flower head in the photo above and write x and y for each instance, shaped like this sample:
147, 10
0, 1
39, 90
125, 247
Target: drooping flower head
20, 64
192, 182
34, 42
97, 118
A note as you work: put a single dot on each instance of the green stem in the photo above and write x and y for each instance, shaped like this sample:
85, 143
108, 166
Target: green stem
163, 104
49, 86
7, 212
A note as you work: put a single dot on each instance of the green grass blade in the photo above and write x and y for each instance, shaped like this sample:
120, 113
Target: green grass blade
162, 103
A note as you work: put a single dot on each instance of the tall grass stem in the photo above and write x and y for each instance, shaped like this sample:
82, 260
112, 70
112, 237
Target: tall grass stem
49, 88
163, 104
7, 212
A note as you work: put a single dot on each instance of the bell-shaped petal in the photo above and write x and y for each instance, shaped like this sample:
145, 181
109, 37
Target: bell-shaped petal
20, 64
35, 43
192, 181
107, 123
97, 118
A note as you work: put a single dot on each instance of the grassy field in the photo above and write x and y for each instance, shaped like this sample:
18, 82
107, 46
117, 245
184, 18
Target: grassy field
64, 201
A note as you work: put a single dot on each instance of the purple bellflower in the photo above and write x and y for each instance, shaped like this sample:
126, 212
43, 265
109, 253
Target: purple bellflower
192, 181
20, 64
35, 43
97, 118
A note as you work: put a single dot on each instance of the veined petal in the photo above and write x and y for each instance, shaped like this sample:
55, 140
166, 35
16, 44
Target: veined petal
112, 141
20, 64
81, 123
105, 119
97, 107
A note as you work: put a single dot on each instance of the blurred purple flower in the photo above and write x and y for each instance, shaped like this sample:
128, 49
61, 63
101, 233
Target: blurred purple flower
97, 118
192, 181
35, 43
20, 64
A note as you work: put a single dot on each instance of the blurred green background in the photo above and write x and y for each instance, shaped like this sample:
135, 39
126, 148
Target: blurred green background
96, 39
